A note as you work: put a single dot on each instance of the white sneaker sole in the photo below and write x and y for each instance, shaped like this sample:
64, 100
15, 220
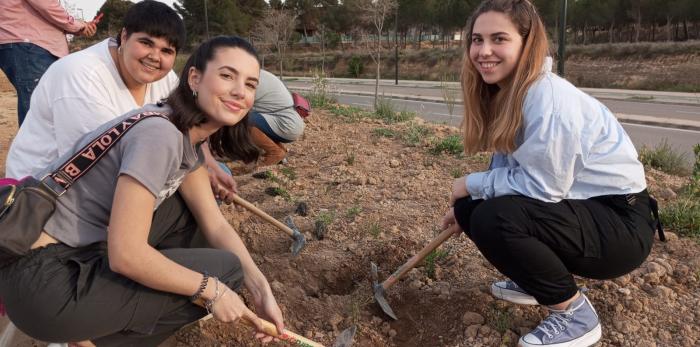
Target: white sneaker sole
513, 296
589, 339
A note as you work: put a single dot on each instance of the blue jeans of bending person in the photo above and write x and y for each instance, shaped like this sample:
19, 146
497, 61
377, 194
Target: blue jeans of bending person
24, 63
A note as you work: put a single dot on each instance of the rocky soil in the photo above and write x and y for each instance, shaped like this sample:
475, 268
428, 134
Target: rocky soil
377, 196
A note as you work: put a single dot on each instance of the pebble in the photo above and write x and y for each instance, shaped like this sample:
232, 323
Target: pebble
623, 325
472, 318
472, 331
394, 163
624, 291
666, 194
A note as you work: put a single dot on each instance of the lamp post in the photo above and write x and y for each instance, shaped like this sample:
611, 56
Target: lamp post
396, 45
562, 38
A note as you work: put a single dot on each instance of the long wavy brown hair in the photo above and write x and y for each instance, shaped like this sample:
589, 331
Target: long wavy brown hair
493, 116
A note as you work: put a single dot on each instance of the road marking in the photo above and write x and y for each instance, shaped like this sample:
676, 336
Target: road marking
686, 112
661, 128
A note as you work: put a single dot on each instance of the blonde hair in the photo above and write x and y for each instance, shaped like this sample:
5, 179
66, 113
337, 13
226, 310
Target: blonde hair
493, 116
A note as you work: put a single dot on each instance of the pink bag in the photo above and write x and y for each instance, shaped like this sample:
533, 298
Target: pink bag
301, 105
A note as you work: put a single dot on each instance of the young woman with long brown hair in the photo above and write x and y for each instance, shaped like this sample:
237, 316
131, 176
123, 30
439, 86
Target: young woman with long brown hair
565, 193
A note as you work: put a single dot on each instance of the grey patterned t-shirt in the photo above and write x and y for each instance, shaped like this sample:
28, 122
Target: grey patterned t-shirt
153, 152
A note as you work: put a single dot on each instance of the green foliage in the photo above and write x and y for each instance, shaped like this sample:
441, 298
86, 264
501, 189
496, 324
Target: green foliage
325, 218
113, 14
415, 134
374, 229
683, 214
226, 17
349, 113
456, 172
350, 158
449, 95
320, 95
432, 258
384, 110
451, 144
279, 191
289, 172
665, 158
499, 319
353, 211
693, 189
355, 66
384, 132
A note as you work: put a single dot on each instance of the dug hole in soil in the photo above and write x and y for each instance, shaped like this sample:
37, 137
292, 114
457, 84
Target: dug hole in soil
380, 198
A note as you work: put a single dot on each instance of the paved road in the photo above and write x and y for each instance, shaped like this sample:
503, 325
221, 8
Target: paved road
642, 135
632, 106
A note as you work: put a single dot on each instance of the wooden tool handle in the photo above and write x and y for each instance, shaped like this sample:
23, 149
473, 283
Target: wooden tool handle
271, 329
250, 207
414, 260
287, 336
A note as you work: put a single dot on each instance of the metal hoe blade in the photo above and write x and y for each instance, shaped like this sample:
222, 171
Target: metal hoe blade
298, 237
345, 338
379, 293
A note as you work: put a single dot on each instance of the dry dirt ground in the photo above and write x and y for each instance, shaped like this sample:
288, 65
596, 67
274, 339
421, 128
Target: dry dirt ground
380, 200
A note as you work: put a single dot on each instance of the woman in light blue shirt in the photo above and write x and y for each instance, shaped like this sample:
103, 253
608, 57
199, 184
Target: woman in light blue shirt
565, 193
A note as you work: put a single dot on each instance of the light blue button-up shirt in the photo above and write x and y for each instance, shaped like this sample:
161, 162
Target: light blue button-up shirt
570, 146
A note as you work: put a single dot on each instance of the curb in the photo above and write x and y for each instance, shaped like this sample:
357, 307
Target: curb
622, 117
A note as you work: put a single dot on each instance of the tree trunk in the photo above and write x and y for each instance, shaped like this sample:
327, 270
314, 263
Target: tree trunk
611, 33
638, 24
281, 58
376, 82
685, 30
323, 56
420, 36
653, 32
668, 28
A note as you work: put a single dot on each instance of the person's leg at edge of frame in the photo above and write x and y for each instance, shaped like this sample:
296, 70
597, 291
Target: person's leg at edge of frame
24, 64
274, 152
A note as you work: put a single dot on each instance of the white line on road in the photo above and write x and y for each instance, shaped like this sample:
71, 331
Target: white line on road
687, 112
661, 128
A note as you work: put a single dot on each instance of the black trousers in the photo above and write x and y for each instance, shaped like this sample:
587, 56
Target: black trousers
540, 245
64, 294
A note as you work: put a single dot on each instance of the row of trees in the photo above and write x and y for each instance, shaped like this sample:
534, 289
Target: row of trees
326, 21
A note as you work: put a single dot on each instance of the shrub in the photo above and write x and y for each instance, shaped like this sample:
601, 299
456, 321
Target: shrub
451, 144
665, 158
355, 66
415, 134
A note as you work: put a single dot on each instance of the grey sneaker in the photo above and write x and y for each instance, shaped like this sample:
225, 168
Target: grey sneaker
577, 326
509, 291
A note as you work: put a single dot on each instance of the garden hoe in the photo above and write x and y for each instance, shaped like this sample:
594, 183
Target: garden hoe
381, 288
343, 340
290, 228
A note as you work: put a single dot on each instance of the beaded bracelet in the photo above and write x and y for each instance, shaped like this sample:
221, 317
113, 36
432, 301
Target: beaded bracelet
202, 286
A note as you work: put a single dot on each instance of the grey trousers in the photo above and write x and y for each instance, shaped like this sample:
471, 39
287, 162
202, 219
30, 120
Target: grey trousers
64, 294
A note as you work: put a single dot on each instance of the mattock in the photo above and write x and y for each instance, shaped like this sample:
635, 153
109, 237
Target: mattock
290, 228
381, 288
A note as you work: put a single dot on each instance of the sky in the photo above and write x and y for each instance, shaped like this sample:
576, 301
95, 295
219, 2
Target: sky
90, 7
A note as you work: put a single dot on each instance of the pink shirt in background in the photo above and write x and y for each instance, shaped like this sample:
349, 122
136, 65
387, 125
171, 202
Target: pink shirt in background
41, 22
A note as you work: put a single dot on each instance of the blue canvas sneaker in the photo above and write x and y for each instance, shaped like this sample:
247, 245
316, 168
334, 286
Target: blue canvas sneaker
509, 291
577, 326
